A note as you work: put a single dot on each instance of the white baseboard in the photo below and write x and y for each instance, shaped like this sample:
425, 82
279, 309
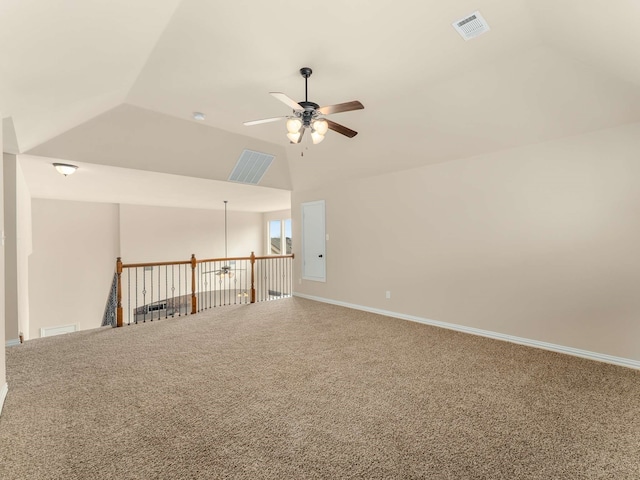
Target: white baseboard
599, 357
3, 394
12, 343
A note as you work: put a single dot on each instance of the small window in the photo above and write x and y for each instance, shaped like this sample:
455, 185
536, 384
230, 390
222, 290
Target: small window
275, 237
287, 235
279, 237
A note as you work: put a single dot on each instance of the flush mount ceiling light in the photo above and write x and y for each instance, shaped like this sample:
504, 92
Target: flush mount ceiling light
65, 168
199, 116
308, 115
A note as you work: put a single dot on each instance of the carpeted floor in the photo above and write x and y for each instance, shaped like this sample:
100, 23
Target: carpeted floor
294, 389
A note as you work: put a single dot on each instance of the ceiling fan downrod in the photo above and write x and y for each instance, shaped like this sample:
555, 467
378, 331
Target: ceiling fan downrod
306, 73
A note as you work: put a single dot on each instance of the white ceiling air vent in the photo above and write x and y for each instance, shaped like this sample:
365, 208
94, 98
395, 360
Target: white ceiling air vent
471, 26
251, 167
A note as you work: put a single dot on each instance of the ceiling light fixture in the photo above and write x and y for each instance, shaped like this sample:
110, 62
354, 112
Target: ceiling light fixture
316, 138
199, 116
318, 129
294, 127
65, 168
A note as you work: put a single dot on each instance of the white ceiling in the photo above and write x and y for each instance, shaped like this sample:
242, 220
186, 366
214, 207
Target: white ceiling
82, 79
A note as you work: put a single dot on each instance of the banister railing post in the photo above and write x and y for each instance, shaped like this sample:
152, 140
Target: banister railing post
194, 301
119, 292
253, 281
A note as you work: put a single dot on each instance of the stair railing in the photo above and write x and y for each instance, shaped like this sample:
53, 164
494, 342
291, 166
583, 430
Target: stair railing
166, 289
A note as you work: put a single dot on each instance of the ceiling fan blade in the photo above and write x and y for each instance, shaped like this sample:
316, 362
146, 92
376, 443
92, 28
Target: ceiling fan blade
341, 107
288, 101
336, 127
264, 120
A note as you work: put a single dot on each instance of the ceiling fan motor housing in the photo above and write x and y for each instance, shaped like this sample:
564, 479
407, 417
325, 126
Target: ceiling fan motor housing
309, 113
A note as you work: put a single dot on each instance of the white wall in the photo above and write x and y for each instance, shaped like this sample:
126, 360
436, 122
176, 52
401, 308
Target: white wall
75, 245
151, 234
538, 242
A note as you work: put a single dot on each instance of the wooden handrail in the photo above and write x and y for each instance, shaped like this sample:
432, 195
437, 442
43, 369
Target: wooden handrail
155, 264
266, 257
244, 258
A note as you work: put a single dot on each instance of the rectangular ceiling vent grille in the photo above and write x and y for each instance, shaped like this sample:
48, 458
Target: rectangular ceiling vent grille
471, 26
251, 167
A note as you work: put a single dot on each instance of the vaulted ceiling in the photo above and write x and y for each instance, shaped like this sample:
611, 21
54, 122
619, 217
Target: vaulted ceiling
115, 82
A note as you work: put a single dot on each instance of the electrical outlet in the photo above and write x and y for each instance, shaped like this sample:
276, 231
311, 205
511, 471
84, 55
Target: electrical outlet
388, 293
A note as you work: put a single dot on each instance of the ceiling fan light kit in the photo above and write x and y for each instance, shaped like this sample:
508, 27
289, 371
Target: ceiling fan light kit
309, 115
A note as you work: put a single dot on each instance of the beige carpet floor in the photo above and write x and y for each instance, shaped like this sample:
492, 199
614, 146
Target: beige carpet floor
294, 389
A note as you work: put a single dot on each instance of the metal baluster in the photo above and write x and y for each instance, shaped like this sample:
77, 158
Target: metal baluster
215, 283
279, 262
173, 291
186, 290
220, 279
270, 280
166, 292
144, 295
211, 299
199, 287
129, 296
135, 315
159, 291
151, 302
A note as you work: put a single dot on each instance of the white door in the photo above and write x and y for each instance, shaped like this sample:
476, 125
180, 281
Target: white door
313, 241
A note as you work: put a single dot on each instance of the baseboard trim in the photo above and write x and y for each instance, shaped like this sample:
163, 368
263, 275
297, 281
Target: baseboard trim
576, 352
12, 343
3, 394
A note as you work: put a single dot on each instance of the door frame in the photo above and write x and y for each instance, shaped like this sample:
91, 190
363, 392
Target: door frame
323, 278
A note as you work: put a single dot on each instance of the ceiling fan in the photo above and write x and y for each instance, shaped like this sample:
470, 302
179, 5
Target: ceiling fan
310, 115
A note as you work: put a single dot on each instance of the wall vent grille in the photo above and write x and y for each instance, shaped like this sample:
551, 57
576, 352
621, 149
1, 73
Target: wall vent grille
58, 330
471, 26
251, 167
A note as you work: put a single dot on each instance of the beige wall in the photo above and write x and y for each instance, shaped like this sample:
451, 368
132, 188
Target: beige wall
75, 245
151, 234
11, 326
3, 377
17, 249
538, 242
24, 248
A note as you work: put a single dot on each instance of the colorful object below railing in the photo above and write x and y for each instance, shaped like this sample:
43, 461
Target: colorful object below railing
166, 289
